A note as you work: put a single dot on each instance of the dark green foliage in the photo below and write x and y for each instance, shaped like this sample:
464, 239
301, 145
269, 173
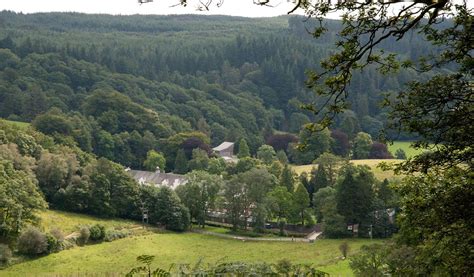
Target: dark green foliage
32, 242
283, 267
319, 178
362, 145
54, 245
439, 200
243, 149
266, 154
281, 156
243, 165
287, 178
165, 208
97, 232
154, 160
51, 123
181, 162
280, 204
354, 195
199, 194
199, 161
216, 166
370, 261
20, 198
400, 154
312, 145
301, 202
5, 254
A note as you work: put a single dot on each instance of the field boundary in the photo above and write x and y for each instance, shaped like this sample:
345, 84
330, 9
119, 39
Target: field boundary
310, 238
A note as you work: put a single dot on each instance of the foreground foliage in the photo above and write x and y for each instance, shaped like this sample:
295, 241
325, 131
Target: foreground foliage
227, 269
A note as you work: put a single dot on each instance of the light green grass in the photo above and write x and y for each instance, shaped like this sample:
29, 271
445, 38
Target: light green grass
119, 256
69, 222
23, 125
373, 163
405, 146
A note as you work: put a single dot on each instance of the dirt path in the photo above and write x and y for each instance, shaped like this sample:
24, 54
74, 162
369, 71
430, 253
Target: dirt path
313, 237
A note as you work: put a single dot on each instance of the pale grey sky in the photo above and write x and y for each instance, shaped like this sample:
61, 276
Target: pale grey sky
230, 7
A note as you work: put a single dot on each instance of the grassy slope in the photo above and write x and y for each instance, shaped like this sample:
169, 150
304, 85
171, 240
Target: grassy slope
379, 173
119, 256
18, 123
69, 222
405, 146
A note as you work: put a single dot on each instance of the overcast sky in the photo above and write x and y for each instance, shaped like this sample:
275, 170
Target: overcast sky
230, 7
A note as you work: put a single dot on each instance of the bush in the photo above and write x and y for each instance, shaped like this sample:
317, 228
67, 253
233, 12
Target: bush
56, 233
67, 244
400, 154
97, 232
53, 243
84, 235
32, 242
344, 248
111, 235
5, 254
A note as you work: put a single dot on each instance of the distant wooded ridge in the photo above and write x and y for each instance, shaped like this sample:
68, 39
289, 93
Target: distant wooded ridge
227, 77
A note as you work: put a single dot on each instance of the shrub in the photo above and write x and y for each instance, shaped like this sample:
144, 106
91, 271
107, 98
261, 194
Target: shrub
67, 244
284, 266
344, 248
84, 235
32, 242
5, 254
97, 232
400, 154
53, 243
56, 233
111, 235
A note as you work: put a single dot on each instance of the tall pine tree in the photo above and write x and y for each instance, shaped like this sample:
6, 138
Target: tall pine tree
243, 149
181, 162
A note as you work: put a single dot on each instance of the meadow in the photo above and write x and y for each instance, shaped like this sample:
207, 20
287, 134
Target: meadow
405, 146
373, 164
71, 222
23, 125
117, 257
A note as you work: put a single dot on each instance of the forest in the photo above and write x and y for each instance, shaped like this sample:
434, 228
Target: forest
73, 74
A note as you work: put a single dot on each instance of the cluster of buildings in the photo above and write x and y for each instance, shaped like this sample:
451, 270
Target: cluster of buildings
160, 178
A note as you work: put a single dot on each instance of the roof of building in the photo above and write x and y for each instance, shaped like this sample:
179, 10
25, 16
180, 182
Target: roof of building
223, 146
157, 178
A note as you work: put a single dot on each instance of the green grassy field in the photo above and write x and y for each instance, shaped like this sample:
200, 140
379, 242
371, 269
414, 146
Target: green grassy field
118, 257
70, 222
405, 146
17, 123
379, 173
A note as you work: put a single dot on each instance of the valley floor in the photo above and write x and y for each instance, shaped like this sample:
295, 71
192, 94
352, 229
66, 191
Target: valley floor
119, 256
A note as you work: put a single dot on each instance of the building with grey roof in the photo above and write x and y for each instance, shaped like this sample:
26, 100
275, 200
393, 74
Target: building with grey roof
157, 178
226, 151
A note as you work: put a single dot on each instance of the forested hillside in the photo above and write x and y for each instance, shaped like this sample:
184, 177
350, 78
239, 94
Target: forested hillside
117, 85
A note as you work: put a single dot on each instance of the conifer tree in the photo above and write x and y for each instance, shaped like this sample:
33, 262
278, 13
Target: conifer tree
281, 156
181, 162
243, 149
301, 201
287, 178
